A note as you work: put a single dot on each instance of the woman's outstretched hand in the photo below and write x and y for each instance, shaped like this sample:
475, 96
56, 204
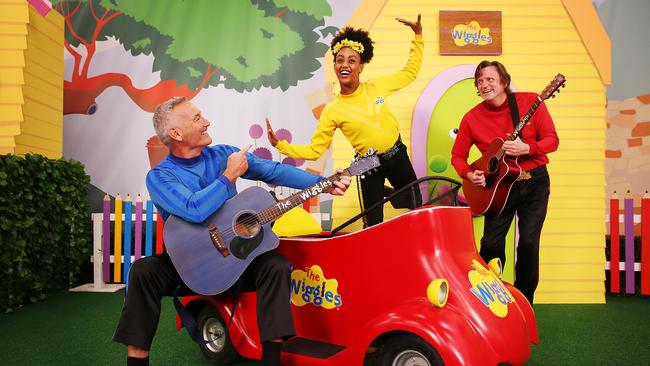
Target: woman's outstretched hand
273, 139
416, 26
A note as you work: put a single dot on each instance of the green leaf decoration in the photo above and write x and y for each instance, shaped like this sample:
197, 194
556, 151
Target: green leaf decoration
254, 43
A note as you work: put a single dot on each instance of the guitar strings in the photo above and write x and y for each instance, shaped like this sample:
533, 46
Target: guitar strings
524, 121
229, 232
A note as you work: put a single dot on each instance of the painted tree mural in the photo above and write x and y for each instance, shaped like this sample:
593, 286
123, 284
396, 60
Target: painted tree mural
242, 45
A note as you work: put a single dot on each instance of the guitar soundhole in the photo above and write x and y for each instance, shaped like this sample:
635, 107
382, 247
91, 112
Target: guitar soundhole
493, 165
247, 225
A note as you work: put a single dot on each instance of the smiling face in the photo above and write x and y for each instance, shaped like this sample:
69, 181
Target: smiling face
188, 130
490, 86
348, 67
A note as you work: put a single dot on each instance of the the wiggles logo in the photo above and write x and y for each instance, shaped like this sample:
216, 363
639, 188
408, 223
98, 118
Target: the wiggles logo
311, 287
471, 33
489, 289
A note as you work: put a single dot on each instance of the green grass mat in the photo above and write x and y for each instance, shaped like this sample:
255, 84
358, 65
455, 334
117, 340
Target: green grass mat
76, 329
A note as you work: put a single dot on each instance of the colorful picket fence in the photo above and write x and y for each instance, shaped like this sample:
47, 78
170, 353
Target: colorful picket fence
628, 218
137, 232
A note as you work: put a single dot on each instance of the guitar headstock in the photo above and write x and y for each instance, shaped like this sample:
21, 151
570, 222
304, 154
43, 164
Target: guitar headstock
557, 82
364, 163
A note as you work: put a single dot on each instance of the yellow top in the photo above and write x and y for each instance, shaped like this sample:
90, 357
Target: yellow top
362, 116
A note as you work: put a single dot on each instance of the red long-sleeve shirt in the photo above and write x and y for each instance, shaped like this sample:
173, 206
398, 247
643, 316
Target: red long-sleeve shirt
484, 123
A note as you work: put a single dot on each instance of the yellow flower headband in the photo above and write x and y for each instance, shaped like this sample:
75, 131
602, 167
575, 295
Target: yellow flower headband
357, 46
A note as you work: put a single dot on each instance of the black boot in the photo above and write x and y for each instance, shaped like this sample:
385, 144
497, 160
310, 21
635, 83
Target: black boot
133, 361
271, 353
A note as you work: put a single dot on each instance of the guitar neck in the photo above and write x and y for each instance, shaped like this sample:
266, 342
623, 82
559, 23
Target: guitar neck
271, 213
524, 120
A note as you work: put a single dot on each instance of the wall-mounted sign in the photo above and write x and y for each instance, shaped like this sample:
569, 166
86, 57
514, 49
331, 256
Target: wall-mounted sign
470, 32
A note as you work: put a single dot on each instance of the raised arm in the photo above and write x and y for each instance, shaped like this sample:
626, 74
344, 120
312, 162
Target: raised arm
320, 141
411, 69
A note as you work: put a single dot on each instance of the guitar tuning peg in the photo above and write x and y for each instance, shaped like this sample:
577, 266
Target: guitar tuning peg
553, 96
564, 85
559, 90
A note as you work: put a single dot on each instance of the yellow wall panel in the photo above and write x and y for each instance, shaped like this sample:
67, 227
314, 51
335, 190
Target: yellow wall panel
7, 142
575, 271
557, 228
573, 239
13, 28
542, 23
42, 58
577, 192
574, 213
52, 23
587, 223
7, 150
12, 42
573, 255
571, 150
41, 111
570, 297
569, 166
593, 34
11, 94
14, 13
11, 76
571, 286
9, 130
51, 131
40, 67
25, 149
11, 58
33, 92
570, 133
47, 27
38, 142
571, 202
45, 86
568, 98
45, 43
541, 67
11, 113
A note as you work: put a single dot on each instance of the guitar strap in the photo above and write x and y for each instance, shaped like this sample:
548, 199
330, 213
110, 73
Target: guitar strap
514, 112
187, 319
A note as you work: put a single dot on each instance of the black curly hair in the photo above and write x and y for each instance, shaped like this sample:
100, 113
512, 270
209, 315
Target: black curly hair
357, 35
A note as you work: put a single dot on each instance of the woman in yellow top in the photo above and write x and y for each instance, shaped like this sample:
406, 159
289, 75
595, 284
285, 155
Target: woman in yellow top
361, 112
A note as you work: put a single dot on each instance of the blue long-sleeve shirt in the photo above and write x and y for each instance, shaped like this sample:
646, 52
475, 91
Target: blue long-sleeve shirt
195, 188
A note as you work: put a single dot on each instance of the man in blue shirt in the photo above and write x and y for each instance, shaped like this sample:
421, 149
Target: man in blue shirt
193, 182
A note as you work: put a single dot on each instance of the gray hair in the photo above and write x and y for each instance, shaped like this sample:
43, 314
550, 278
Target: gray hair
161, 117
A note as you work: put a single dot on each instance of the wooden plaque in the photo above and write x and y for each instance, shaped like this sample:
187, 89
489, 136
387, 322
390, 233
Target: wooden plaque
470, 32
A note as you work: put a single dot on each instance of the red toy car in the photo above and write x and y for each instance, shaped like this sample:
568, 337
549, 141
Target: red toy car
409, 291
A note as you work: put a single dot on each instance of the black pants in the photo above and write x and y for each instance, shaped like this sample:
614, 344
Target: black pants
529, 200
151, 278
399, 172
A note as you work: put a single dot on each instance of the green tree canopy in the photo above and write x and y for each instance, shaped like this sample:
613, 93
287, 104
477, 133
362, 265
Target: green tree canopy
254, 43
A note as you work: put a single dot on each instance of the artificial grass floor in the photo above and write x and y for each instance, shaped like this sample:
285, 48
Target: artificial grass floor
76, 328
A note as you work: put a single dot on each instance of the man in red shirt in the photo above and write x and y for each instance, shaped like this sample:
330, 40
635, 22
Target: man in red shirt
528, 197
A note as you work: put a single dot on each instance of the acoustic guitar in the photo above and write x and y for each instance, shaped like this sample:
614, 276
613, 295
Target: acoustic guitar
501, 170
210, 256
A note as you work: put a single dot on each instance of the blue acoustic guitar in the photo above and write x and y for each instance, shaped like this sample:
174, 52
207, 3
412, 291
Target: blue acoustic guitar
210, 256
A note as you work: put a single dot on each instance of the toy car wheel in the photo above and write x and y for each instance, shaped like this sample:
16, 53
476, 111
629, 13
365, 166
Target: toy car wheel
407, 350
219, 350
